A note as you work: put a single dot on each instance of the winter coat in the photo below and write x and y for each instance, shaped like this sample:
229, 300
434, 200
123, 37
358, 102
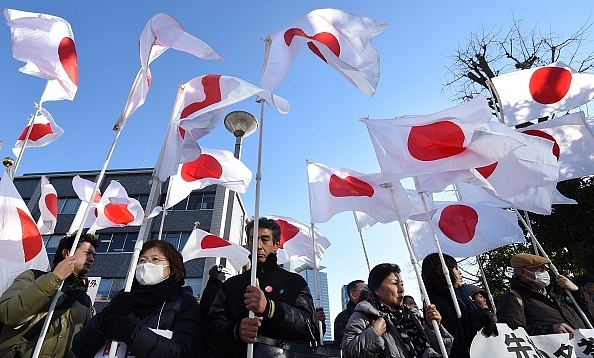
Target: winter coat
292, 319
341, 321
361, 339
179, 314
27, 301
538, 313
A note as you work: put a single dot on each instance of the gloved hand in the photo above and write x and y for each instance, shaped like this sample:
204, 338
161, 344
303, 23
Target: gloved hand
216, 272
511, 323
119, 327
490, 329
121, 304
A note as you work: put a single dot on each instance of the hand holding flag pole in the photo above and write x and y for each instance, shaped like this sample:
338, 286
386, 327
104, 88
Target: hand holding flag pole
415, 265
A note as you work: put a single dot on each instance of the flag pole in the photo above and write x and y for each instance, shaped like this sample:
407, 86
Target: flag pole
32, 119
362, 242
415, 263
164, 213
444, 267
316, 282
554, 269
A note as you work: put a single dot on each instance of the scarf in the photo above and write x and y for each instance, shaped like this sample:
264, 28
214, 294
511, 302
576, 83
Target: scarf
148, 298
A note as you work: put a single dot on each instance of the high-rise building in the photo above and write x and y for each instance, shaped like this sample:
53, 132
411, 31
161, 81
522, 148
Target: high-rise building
207, 208
308, 275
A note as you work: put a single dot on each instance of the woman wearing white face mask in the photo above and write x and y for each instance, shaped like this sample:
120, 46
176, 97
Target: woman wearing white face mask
157, 318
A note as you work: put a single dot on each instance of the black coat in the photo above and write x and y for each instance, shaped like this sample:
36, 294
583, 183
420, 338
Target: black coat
341, 321
180, 315
538, 313
293, 318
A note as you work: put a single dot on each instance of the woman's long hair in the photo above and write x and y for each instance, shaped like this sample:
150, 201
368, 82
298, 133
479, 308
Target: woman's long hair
432, 273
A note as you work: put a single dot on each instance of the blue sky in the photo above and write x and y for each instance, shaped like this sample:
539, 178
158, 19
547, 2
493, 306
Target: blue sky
323, 125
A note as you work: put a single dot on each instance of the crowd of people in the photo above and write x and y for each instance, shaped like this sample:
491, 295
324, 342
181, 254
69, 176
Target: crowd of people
159, 316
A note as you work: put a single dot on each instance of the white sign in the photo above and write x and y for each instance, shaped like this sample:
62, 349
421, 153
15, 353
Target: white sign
93, 287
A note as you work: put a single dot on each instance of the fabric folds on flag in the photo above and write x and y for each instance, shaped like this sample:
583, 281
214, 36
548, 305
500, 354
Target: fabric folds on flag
84, 190
465, 230
46, 44
334, 190
44, 131
116, 209
180, 146
160, 33
205, 244
456, 138
213, 166
297, 243
48, 207
539, 92
341, 39
21, 246
417, 210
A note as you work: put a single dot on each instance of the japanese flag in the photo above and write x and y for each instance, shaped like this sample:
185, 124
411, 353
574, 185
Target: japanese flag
213, 166
116, 209
340, 39
297, 244
465, 230
539, 92
573, 143
160, 33
46, 44
84, 190
180, 146
206, 98
204, 244
332, 191
48, 206
457, 138
44, 131
21, 246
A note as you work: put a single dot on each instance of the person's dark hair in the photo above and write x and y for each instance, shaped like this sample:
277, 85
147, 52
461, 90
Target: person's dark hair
353, 285
407, 296
265, 223
66, 244
379, 273
432, 273
176, 260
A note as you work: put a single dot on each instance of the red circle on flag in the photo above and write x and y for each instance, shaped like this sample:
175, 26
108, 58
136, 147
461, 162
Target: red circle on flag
68, 58
545, 135
349, 186
326, 38
288, 231
32, 243
435, 141
205, 166
212, 242
118, 214
458, 222
486, 171
212, 94
39, 131
51, 202
549, 85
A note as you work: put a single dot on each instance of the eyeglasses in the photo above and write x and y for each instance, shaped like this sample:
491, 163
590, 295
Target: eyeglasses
539, 268
154, 260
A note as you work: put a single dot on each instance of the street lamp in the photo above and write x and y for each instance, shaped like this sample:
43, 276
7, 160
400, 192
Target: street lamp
241, 124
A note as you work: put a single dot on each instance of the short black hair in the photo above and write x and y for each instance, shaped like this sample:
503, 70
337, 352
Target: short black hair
379, 273
353, 285
432, 273
66, 244
175, 258
265, 223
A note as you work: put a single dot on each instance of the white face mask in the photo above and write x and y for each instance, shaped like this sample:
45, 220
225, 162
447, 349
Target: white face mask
150, 274
541, 279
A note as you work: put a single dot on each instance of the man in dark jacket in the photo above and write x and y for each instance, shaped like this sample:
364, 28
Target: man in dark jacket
354, 290
282, 303
536, 304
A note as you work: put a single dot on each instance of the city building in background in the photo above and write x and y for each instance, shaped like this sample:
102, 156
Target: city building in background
308, 275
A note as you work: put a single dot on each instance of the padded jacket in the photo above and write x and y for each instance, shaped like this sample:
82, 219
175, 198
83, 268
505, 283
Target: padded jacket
27, 301
179, 314
292, 319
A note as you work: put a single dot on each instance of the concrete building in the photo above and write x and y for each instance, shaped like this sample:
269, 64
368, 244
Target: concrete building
308, 275
207, 207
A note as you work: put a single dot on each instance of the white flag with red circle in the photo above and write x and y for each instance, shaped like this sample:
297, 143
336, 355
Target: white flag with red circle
48, 207
180, 146
296, 242
465, 230
418, 211
160, 33
341, 39
84, 190
116, 209
213, 166
456, 138
334, 190
204, 244
539, 92
44, 131
21, 246
573, 143
46, 43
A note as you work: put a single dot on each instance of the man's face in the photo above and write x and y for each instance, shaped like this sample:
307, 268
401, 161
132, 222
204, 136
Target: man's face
266, 244
356, 292
85, 256
528, 274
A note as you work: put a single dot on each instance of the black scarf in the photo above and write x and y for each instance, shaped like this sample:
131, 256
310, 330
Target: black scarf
148, 298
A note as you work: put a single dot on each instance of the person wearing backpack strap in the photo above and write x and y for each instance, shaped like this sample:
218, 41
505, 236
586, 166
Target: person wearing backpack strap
24, 305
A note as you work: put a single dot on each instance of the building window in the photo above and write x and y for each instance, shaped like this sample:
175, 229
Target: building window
142, 199
118, 242
108, 287
51, 242
177, 239
195, 201
68, 205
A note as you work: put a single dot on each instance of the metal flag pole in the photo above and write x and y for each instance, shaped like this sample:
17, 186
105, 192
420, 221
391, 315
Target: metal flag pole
414, 262
554, 269
362, 242
316, 282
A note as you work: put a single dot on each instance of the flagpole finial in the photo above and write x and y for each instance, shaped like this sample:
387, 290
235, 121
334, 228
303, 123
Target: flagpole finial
8, 162
196, 224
